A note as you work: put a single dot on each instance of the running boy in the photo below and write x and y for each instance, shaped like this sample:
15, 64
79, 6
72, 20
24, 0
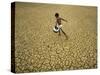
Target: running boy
58, 23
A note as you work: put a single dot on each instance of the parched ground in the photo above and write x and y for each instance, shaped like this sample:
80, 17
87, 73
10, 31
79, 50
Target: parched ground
38, 48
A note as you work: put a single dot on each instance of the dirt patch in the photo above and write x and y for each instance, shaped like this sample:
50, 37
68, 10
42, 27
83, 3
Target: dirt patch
38, 48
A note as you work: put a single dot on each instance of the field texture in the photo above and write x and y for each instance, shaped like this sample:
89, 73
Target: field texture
38, 48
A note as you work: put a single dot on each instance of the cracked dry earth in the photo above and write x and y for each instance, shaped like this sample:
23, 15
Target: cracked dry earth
38, 48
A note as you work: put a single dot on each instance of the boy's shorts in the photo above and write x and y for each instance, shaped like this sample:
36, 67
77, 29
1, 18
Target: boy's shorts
57, 28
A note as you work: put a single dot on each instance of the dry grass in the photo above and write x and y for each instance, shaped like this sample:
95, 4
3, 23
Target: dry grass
38, 48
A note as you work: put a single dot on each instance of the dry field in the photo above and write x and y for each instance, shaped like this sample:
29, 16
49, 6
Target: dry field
38, 48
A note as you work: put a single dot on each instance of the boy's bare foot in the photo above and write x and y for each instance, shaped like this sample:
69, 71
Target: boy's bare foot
66, 37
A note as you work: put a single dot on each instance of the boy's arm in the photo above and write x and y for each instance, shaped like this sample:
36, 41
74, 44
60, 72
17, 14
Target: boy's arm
64, 20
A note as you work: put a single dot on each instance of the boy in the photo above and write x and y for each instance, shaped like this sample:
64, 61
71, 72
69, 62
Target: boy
58, 24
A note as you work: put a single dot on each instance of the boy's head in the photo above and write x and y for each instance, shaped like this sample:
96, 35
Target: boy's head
56, 15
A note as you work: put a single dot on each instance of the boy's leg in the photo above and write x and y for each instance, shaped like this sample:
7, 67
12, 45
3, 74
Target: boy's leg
59, 32
64, 33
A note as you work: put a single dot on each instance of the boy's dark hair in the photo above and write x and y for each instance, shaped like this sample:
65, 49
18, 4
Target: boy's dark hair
56, 14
